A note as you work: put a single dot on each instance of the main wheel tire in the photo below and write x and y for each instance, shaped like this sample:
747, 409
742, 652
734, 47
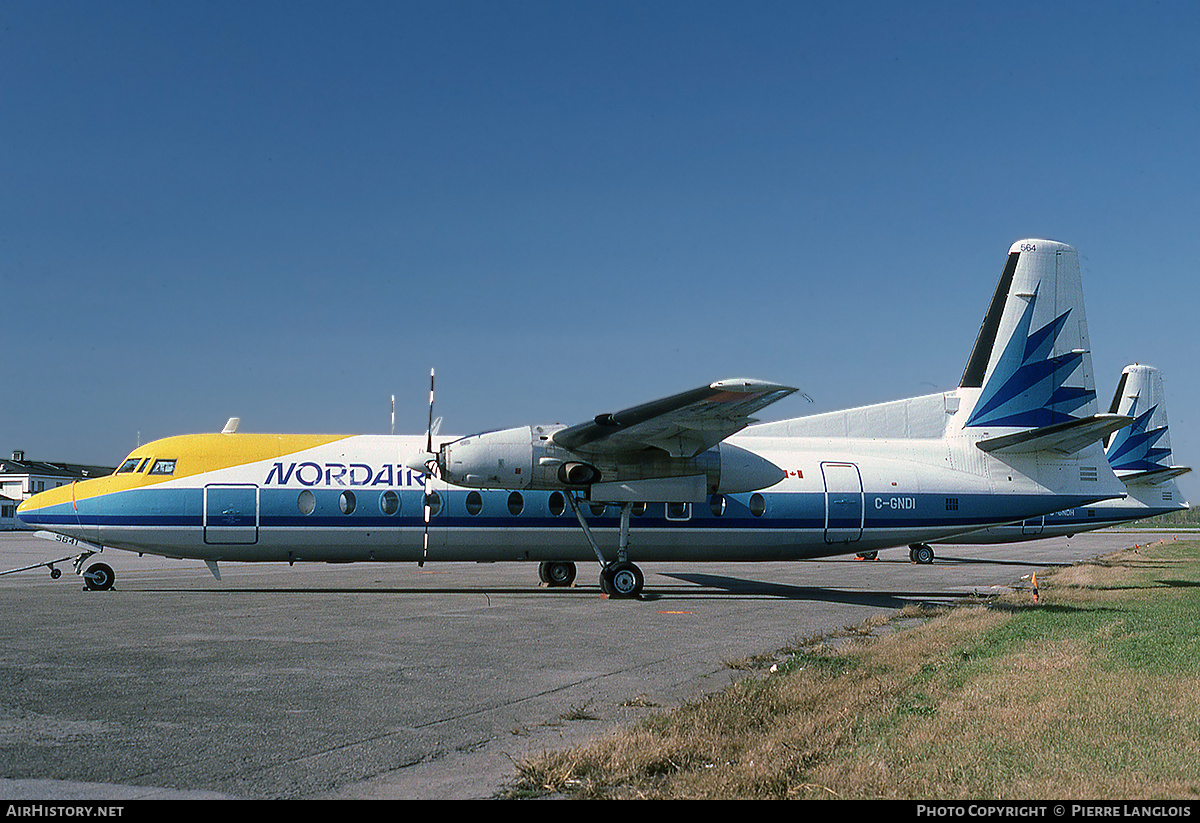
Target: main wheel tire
555, 573
923, 554
624, 580
99, 577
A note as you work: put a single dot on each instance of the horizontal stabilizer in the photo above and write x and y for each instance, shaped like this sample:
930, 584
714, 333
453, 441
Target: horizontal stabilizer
1060, 438
1154, 477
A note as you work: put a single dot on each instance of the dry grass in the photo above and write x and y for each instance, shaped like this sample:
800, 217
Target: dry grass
1092, 693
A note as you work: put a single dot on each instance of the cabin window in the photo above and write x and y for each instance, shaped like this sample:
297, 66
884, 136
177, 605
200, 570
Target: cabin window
516, 504
717, 504
389, 502
129, 465
474, 503
346, 502
433, 501
639, 509
557, 504
306, 502
597, 508
163, 467
758, 505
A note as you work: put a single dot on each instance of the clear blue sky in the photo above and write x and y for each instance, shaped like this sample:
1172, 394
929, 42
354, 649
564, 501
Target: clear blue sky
290, 211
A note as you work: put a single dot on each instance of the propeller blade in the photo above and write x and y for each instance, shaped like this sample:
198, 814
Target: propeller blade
429, 431
425, 538
430, 465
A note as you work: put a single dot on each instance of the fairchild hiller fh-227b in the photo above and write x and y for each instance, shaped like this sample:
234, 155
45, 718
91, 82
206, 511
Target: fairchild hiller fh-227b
691, 477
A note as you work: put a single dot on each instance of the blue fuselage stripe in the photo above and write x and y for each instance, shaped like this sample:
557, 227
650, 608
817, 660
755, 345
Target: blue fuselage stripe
278, 508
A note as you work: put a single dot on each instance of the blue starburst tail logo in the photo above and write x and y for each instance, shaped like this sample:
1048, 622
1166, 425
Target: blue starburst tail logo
1135, 448
1030, 385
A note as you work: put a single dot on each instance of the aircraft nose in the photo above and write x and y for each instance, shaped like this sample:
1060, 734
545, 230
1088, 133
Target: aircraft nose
31, 510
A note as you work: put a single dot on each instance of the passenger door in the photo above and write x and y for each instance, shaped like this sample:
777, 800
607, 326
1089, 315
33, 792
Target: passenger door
843, 502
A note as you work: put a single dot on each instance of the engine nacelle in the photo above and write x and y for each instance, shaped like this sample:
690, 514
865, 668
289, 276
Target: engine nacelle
491, 460
527, 458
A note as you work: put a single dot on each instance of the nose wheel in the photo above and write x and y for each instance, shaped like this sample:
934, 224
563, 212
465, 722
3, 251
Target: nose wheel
99, 577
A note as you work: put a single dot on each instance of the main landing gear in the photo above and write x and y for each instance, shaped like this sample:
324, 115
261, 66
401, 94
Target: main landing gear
621, 579
920, 553
556, 573
618, 578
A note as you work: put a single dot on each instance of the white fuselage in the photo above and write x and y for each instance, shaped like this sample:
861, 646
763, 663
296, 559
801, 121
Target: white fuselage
355, 499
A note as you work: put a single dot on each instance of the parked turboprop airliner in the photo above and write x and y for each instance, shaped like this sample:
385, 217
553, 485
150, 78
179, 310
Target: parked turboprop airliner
1140, 455
685, 478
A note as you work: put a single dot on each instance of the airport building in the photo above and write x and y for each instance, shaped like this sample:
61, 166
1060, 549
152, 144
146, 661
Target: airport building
21, 479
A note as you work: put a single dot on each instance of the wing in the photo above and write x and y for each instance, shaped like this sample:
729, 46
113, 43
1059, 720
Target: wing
682, 425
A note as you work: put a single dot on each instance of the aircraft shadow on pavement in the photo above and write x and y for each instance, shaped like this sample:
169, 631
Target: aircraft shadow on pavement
700, 586
743, 587
991, 561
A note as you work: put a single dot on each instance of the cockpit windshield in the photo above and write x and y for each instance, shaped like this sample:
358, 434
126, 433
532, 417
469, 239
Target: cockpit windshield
163, 467
129, 465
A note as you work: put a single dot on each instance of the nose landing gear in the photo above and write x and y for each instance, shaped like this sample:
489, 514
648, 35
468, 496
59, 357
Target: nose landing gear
99, 577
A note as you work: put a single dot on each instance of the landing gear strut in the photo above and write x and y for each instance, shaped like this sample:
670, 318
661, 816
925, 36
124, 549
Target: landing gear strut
620, 578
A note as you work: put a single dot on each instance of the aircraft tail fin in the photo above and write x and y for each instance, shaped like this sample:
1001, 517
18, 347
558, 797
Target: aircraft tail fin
1032, 362
1141, 452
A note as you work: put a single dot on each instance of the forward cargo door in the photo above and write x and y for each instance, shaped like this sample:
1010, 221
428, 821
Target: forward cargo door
231, 514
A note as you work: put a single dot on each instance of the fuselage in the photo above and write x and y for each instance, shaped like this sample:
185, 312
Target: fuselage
260, 497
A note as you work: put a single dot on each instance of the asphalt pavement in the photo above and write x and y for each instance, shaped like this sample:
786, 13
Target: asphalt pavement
395, 681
